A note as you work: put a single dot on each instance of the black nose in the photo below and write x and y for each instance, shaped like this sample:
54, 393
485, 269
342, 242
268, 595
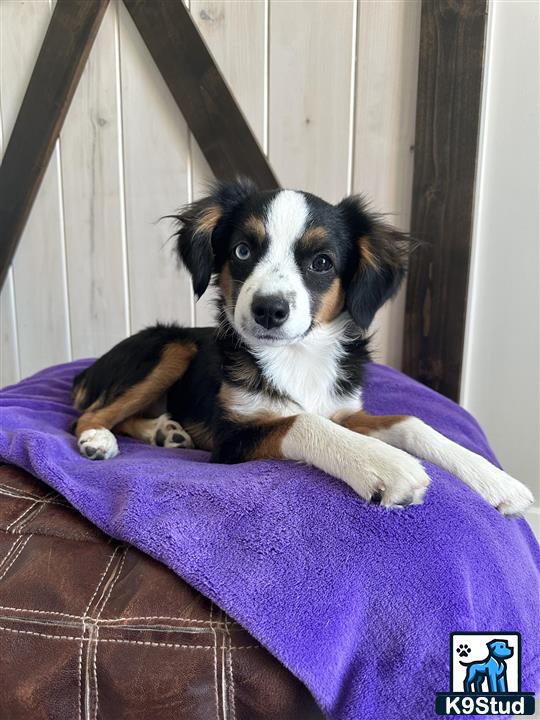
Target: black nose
270, 311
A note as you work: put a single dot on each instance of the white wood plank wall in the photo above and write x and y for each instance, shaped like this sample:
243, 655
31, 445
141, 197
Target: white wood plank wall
329, 88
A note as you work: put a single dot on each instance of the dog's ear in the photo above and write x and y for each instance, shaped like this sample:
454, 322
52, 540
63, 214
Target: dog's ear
199, 224
379, 255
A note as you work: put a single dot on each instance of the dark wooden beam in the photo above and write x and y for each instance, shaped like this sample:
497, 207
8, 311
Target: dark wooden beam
447, 123
200, 91
61, 60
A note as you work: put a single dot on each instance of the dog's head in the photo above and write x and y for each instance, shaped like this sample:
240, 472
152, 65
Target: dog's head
287, 261
500, 649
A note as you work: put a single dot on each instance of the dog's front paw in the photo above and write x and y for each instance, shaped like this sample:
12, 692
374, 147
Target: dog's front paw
510, 496
389, 476
98, 444
499, 489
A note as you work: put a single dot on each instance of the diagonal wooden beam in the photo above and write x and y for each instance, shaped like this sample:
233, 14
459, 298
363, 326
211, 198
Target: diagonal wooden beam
61, 60
447, 123
200, 91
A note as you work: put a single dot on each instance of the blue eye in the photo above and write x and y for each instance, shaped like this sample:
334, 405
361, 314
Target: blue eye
242, 251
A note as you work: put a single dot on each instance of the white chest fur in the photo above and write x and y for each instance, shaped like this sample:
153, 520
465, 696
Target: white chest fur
307, 372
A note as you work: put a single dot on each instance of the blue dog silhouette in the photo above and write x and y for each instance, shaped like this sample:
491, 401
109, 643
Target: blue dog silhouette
493, 668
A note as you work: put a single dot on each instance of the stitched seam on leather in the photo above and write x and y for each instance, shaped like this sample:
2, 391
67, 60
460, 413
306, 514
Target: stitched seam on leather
7, 555
215, 659
112, 583
126, 642
31, 516
224, 677
94, 667
8, 491
83, 626
111, 623
15, 556
20, 517
230, 669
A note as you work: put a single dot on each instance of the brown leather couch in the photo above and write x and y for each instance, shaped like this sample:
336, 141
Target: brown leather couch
93, 629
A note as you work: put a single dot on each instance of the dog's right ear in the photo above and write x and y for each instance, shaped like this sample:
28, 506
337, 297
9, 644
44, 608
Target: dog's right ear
199, 224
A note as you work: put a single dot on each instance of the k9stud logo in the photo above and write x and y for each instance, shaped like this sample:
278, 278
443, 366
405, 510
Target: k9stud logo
485, 676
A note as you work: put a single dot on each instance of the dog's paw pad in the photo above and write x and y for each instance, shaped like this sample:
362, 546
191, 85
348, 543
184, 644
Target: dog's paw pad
177, 439
463, 650
98, 444
171, 434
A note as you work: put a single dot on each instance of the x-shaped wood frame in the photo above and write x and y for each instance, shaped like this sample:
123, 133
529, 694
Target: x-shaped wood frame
448, 107
188, 68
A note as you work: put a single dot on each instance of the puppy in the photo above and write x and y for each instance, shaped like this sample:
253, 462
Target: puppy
281, 375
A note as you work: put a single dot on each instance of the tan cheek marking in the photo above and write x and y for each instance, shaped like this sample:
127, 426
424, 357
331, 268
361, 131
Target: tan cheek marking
226, 283
270, 446
255, 226
332, 302
174, 361
208, 219
365, 424
366, 252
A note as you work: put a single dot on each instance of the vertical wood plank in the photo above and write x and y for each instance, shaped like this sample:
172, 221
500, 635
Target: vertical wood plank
234, 31
385, 108
155, 160
9, 347
447, 122
38, 267
92, 208
309, 105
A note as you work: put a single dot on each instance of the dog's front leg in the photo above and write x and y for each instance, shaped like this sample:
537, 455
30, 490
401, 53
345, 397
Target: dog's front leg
370, 467
413, 435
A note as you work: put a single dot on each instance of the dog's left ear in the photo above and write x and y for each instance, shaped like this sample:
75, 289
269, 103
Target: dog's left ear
379, 253
200, 224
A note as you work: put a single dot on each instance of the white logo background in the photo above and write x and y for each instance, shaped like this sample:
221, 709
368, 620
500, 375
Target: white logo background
478, 652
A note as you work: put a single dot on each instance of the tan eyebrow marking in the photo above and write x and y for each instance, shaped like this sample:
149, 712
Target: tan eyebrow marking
255, 226
314, 234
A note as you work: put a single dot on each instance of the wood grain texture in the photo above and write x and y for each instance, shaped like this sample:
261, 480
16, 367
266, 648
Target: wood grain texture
62, 56
310, 93
234, 31
155, 144
447, 122
90, 149
386, 78
39, 282
9, 347
200, 91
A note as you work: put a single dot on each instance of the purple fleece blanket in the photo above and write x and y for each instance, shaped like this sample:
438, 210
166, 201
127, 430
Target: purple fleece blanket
356, 600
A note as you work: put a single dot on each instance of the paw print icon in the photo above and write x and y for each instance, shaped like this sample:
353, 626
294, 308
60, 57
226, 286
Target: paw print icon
463, 650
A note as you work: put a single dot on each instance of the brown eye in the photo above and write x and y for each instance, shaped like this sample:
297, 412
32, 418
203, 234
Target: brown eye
242, 251
321, 263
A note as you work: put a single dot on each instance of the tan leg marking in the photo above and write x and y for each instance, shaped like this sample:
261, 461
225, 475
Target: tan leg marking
174, 361
365, 424
270, 446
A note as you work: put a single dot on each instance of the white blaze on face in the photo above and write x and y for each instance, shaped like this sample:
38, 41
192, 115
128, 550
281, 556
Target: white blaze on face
277, 272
